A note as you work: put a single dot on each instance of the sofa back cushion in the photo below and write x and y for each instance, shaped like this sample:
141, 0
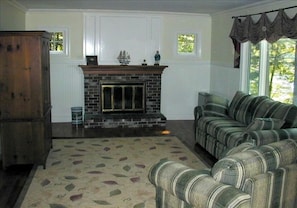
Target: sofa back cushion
236, 168
242, 107
267, 108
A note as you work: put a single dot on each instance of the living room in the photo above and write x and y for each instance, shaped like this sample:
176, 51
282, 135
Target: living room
209, 69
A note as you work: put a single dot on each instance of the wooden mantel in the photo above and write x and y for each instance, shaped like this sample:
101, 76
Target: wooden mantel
118, 69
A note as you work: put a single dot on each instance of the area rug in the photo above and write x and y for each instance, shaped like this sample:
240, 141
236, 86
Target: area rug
111, 173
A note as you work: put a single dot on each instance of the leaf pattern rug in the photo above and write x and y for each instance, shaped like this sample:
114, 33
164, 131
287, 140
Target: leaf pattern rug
107, 173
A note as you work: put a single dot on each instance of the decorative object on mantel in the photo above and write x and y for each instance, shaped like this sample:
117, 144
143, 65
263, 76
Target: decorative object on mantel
124, 58
157, 58
92, 60
144, 63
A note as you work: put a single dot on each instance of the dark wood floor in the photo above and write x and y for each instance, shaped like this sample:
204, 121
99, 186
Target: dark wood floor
13, 181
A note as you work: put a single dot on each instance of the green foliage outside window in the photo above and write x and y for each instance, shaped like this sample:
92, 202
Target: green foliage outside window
57, 42
186, 43
254, 69
281, 66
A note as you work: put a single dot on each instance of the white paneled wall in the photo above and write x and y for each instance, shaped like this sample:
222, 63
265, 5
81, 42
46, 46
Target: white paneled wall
105, 35
180, 86
67, 88
179, 96
224, 81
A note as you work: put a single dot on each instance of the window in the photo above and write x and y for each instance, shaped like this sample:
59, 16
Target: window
187, 44
271, 69
57, 42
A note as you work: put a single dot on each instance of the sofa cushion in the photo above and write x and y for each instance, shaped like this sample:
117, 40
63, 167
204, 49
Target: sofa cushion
265, 124
236, 168
242, 107
270, 108
230, 136
210, 124
269, 136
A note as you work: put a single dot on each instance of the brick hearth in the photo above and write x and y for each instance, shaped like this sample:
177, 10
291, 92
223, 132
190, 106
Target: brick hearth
151, 75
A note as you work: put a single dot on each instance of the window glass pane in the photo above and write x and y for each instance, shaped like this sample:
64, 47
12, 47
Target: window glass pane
281, 79
57, 42
186, 43
254, 69
282, 70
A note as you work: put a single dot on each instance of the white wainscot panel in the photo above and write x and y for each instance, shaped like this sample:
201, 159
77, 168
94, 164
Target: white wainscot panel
66, 88
139, 35
224, 81
181, 83
123, 33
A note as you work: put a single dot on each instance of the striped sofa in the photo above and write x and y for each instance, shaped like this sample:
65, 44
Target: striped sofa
257, 177
220, 125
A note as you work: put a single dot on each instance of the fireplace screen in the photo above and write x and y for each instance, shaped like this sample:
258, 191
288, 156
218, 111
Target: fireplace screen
123, 97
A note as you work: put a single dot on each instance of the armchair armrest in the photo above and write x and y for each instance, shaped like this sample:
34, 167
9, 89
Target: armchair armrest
195, 187
262, 137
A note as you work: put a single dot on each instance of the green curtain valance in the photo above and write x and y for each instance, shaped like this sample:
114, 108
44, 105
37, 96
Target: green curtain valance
248, 30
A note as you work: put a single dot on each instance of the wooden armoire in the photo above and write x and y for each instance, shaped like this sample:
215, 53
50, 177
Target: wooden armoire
25, 102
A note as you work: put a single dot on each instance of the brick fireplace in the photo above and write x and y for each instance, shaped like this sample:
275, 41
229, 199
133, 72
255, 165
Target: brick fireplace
97, 76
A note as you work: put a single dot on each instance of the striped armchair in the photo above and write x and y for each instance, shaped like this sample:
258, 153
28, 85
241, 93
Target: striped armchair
258, 177
220, 125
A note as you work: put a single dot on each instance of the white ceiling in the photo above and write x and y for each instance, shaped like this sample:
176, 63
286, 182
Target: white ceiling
187, 6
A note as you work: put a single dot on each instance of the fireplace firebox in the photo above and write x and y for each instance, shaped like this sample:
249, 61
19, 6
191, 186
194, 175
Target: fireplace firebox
122, 97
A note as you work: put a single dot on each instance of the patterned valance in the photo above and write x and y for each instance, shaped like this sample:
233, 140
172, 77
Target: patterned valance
248, 30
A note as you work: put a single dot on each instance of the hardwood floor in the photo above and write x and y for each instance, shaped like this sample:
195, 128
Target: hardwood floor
13, 181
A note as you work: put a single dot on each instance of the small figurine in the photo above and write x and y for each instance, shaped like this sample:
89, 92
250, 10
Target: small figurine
144, 63
157, 58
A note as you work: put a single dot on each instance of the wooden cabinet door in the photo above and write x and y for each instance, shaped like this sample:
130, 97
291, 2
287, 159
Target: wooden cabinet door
20, 79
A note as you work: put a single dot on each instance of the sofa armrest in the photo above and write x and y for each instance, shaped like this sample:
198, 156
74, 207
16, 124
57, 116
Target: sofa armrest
214, 106
198, 112
262, 137
195, 187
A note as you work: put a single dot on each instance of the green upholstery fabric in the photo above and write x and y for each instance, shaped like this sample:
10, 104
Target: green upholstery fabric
268, 136
179, 186
265, 124
267, 108
240, 148
234, 169
255, 177
247, 117
240, 107
275, 188
215, 106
